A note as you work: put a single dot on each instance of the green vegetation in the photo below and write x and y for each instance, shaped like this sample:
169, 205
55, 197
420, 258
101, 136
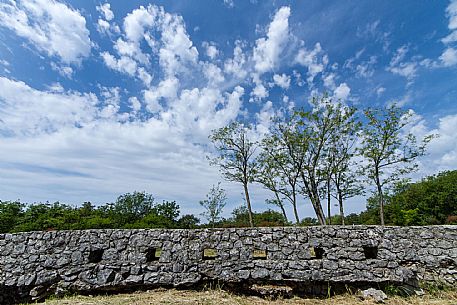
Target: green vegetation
431, 201
137, 210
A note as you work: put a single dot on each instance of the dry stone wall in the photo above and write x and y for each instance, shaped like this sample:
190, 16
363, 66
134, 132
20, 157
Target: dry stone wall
36, 264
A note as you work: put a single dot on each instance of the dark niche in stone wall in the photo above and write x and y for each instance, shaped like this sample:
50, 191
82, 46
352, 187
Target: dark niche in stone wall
153, 254
371, 252
95, 255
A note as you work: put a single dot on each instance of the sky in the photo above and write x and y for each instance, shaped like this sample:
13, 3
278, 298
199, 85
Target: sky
102, 98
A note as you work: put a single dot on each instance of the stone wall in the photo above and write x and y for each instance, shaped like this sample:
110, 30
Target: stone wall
36, 264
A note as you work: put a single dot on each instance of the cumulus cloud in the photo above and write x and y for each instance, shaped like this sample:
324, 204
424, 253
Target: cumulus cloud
342, 91
449, 57
282, 80
167, 89
105, 10
135, 104
63, 138
268, 50
65, 71
211, 50
27, 111
315, 60
124, 64
442, 150
105, 24
52, 27
167, 38
236, 65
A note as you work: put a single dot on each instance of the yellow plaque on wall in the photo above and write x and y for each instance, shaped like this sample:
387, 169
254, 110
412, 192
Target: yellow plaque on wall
259, 254
209, 253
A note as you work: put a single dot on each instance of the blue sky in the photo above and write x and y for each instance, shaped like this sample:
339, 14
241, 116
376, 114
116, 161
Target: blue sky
102, 98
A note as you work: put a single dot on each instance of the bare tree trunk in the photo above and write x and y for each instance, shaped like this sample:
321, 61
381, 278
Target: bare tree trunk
281, 206
319, 212
329, 219
314, 197
248, 202
294, 204
381, 203
340, 202
380, 197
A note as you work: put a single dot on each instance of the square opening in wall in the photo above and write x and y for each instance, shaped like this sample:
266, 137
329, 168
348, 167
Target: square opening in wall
371, 252
316, 252
95, 256
209, 253
153, 254
259, 254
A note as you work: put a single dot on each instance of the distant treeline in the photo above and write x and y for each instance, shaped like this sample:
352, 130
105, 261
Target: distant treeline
136, 210
431, 201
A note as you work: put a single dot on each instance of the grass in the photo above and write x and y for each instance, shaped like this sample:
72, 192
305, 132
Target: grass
221, 297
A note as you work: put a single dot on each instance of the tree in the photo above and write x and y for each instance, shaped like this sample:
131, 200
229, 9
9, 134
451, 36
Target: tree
340, 153
236, 157
281, 162
389, 152
188, 221
10, 214
268, 176
430, 201
167, 209
315, 128
214, 204
130, 208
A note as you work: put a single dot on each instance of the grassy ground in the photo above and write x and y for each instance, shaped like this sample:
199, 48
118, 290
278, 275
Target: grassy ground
220, 297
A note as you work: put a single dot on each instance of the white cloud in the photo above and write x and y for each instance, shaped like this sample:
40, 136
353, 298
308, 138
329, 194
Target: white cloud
329, 81
259, 91
26, 111
366, 69
105, 10
397, 65
282, 80
166, 89
65, 71
64, 144
235, 65
52, 27
451, 13
135, 104
213, 74
167, 38
264, 119
268, 50
229, 3
380, 90
55, 87
124, 64
449, 57
442, 150
313, 60
211, 50
450, 38
144, 76
342, 91
103, 26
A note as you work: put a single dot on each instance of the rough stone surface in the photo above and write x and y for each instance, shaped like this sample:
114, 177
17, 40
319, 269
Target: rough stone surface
36, 264
374, 294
